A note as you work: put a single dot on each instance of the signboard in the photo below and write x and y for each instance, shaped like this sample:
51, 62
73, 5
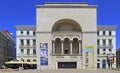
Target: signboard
89, 56
43, 53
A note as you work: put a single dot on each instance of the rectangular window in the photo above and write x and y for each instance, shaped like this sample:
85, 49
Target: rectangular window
110, 49
28, 42
98, 51
34, 51
104, 49
21, 32
110, 41
34, 42
28, 51
34, 33
110, 33
98, 33
104, 42
28, 33
98, 42
103, 32
22, 50
22, 42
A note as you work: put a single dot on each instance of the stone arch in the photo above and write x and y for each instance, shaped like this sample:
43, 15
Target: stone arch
66, 25
67, 37
57, 37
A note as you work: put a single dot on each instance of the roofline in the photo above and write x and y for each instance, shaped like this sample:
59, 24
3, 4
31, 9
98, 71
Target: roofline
25, 27
65, 3
106, 27
90, 6
112, 26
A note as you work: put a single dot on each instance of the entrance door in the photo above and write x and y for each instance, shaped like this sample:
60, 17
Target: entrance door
67, 65
104, 63
98, 65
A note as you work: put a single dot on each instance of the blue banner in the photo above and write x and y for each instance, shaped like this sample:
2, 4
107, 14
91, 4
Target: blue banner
43, 53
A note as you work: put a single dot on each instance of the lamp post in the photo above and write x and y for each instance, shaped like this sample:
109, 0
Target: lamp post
22, 55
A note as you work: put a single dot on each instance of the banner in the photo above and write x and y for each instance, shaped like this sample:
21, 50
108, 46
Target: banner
89, 56
43, 53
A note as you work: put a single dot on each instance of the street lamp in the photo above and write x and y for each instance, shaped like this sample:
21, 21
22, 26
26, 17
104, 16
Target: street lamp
22, 55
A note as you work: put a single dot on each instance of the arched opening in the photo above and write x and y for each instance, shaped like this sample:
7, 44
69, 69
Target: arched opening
66, 25
57, 46
28, 60
75, 46
66, 30
66, 46
34, 60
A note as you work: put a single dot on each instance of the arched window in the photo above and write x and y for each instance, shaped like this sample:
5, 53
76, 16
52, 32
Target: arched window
66, 46
58, 46
34, 60
28, 60
75, 46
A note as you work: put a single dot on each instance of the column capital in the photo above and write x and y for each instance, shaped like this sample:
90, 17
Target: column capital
71, 41
62, 41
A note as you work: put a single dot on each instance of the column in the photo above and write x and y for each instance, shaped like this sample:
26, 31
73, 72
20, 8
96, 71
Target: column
80, 48
53, 47
70, 47
62, 48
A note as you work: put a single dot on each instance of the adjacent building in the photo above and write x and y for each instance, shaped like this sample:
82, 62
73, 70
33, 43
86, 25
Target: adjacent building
66, 36
118, 58
7, 47
106, 46
26, 43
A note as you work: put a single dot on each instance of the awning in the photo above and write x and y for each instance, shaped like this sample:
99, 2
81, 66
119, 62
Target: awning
15, 62
19, 62
31, 62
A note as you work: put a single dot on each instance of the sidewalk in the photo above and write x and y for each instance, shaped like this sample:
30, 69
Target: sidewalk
65, 71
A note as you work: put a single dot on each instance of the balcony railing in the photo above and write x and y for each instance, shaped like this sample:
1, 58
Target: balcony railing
105, 46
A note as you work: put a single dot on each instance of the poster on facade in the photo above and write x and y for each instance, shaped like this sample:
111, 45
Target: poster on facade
89, 56
43, 53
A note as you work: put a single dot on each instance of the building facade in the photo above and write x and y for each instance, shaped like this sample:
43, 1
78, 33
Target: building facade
26, 43
66, 37
3, 49
7, 47
10, 45
106, 46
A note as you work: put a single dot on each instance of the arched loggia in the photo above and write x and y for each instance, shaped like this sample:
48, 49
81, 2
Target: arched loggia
69, 33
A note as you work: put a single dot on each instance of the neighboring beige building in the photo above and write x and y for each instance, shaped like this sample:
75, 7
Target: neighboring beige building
66, 36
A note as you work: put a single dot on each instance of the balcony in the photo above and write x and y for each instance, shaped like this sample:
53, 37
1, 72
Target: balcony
105, 46
30, 46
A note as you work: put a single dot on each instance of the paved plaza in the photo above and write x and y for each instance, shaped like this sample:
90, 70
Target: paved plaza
64, 71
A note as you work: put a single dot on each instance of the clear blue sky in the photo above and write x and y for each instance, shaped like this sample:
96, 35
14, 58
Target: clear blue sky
23, 12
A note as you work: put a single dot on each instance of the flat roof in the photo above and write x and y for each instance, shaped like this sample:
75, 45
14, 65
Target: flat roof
25, 27
106, 27
66, 5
